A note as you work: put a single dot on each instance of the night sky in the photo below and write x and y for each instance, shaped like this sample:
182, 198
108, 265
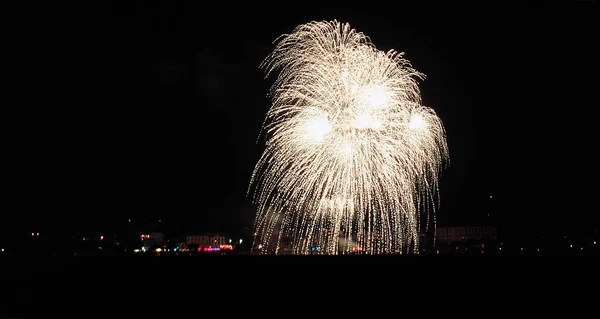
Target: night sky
153, 110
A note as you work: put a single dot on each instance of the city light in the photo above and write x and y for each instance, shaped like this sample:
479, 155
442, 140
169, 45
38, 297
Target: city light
356, 248
32, 234
2, 249
136, 250
158, 250
101, 237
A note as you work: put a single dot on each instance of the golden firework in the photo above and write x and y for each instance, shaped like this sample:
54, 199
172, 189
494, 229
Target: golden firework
352, 157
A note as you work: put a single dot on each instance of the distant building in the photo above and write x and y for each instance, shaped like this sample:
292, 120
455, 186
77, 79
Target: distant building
153, 239
217, 240
207, 240
200, 240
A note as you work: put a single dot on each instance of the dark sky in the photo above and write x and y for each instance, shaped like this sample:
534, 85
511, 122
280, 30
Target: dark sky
153, 109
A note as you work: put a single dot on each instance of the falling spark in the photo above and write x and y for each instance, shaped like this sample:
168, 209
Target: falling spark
352, 158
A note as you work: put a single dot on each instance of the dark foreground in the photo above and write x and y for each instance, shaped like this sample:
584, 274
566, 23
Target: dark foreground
49, 287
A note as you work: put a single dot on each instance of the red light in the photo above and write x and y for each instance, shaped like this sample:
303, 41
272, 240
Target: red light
482, 246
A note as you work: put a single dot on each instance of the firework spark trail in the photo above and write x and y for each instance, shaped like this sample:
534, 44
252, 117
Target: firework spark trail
350, 151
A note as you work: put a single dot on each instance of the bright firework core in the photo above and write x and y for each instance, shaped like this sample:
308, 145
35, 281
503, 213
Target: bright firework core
417, 122
317, 127
352, 158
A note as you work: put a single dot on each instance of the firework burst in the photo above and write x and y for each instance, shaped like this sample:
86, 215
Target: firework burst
352, 158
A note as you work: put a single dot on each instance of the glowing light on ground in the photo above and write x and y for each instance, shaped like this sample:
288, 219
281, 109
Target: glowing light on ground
352, 157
